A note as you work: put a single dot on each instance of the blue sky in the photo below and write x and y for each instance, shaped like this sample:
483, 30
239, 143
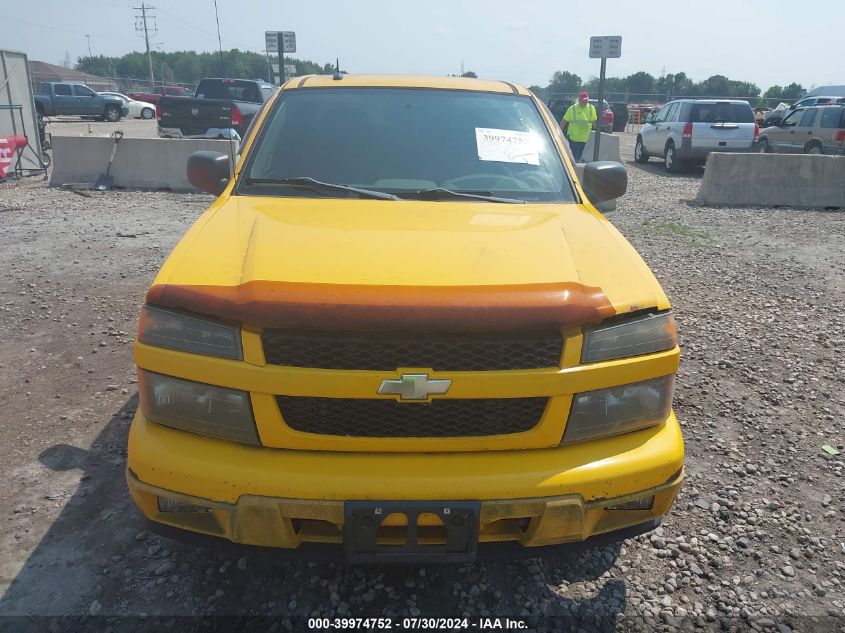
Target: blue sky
520, 41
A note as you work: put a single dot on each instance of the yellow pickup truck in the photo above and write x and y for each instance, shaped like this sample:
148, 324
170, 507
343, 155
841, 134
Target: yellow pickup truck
403, 332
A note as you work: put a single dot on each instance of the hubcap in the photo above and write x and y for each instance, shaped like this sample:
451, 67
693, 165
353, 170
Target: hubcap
670, 157
638, 150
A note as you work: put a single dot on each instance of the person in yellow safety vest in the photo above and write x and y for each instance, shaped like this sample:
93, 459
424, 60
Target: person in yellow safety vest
577, 123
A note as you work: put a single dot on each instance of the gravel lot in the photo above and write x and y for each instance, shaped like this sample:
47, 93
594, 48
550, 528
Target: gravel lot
756, 539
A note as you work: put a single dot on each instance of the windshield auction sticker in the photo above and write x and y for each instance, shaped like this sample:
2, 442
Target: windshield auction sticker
506, 146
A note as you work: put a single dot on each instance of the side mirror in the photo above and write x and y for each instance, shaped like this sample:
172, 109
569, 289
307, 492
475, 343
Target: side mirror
209, 171
604, 180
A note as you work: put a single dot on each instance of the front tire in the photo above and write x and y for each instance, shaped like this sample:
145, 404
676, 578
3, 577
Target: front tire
111, 114
763, 146
815, 149
640, 155
147, 113
673, 164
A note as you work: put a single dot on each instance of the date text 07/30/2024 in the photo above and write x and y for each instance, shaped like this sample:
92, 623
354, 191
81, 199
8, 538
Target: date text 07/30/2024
417, 623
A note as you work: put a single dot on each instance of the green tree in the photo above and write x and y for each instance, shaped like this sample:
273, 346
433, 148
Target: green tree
774, 92
715, 86
674, 85
640, 83
744, 89
793, 92
470, 74
541, 93
188, 67
564, 83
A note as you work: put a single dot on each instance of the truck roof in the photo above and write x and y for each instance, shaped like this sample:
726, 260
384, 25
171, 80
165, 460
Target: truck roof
405, 81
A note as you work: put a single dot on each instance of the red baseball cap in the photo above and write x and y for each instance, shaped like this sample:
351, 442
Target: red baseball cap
584, 95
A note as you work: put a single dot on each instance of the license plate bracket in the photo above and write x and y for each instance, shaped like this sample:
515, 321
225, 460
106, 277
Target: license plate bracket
363, 519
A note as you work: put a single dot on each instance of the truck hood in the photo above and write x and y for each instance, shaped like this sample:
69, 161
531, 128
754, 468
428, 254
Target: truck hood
372, 264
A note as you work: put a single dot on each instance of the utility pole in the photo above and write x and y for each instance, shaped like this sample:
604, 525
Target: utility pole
141, 25
269, 67
88, 37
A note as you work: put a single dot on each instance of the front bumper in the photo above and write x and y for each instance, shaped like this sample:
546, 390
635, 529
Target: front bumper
285, 498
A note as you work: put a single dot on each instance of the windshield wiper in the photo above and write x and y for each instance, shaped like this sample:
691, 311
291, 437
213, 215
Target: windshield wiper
317, 185
446, 194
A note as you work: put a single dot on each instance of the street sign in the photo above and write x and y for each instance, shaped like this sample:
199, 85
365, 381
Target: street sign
604, 46
280, 42
289, 41
290, 69
271, 41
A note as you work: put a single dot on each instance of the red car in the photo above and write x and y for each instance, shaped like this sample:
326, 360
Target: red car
605, 116
169, 91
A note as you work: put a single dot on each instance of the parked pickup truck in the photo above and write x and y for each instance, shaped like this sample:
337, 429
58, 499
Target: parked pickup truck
159, 92
221, 108
404, 333
77, 100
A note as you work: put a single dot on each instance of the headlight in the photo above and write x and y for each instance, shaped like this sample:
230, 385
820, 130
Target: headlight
188, 334
640, 335
622, 409
197, 407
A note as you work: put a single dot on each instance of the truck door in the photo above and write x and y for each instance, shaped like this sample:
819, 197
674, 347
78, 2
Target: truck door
86, 100
656, 141
785, 137
63, 99
804, 130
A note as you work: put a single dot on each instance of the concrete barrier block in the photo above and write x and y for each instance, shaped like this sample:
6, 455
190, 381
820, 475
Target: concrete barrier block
139, 163
608, 148
767, 180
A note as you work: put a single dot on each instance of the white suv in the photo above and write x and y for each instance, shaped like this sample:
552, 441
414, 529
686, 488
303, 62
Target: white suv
687, 130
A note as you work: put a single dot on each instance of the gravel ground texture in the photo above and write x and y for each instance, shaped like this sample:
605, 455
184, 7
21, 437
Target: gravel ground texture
755, 541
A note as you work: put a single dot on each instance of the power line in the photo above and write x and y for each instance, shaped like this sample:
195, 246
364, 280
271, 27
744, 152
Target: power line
59, 28
194, 27
141, 23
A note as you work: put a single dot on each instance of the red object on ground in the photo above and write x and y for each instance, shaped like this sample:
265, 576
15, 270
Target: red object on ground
8, 146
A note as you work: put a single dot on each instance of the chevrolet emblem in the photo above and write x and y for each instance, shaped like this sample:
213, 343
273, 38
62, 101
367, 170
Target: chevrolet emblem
414, 387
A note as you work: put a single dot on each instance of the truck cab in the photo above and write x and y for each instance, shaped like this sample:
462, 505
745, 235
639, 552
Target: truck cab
403, 332
221, 108
55, 98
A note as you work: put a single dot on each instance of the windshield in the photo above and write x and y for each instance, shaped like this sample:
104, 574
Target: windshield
406, 141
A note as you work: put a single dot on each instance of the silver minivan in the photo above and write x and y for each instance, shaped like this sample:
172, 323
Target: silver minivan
687, 130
